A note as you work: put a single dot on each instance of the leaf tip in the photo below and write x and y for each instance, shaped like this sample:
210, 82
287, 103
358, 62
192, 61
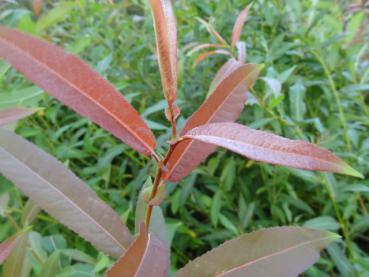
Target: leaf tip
348, 170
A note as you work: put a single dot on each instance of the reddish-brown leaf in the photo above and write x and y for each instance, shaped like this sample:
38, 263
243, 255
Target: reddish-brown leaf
224, 104
277, 252
204, 46
12, 115
166, 44
37, 7
269, 148
147, 256
6, 247
204, 55
238, 26
74, 83
230, 66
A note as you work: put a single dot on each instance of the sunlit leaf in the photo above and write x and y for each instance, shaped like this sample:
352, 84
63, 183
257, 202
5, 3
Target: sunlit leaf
147, 256
238, 26
224, 104
269, 148
59, 192
74, 83
166, 44
279, 252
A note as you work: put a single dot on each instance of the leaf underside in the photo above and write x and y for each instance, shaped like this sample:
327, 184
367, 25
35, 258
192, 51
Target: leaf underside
147, 256
74, 83
59, 192
277, 252
11, 115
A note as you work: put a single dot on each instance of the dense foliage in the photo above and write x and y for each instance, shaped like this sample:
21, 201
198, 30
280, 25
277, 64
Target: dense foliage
314, 86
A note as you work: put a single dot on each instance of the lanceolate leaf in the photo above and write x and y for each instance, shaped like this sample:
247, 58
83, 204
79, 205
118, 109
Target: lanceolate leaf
74, 83
204, 55
6, 248
147, 256
166, 44
238, 26
16, 264
277, 252
230, 66
204, 46
11, 115
59, 192
224, 104
269, 148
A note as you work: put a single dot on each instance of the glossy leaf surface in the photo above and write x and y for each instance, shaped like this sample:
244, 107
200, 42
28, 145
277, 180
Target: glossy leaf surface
238, 26
74, 83
12, 115
166, 44
147, 256
224, 104
278, 252
59, 192
269, 148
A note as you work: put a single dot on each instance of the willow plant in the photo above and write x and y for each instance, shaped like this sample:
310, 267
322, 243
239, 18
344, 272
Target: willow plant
279, 251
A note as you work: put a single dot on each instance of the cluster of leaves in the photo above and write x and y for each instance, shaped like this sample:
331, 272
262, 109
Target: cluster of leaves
270, 103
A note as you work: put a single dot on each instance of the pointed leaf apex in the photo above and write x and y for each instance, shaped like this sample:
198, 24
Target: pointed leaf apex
348, 170
333, 236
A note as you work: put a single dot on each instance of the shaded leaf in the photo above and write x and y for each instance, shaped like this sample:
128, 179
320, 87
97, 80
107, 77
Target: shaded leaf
327, 223
74, 83
238, 26
224, 104
12, 115
277, 252
147, 256
30, 212
269, 148
59, 192
52, 265
16, 265
166, 44
6, 247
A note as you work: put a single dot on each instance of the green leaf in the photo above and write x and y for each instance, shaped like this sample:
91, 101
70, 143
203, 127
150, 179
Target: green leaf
323, 223
297, 100
57, 14
52, 265
17, 263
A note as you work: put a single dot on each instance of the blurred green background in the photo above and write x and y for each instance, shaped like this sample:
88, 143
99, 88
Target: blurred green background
314, 86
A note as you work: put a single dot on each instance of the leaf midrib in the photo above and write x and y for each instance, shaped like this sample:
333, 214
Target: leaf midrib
58, 75
65, 196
